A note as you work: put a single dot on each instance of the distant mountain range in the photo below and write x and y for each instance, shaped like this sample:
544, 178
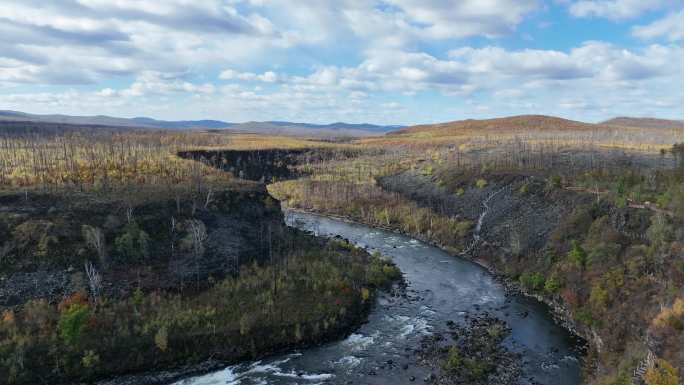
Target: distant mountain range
645, 122
271, 127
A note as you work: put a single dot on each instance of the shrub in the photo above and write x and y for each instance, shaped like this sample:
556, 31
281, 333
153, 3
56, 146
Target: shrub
671, 316
555, 181
481, 183
603, 253
461, 229
365, 294
161, 339
342, 245
90, 359
454, 361
496, 332
598, 298
584, 316
532, 281
552, 285
577, 255
391, 272
381, 272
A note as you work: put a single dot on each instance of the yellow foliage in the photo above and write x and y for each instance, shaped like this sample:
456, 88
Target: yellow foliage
671, 316
8, 318
662, 374
365, 294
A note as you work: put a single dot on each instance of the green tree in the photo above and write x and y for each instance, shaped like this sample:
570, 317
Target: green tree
552, 284
577, 255
133, 243
72, 323
533, 281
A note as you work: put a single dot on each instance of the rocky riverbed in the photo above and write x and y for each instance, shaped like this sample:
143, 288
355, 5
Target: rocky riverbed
471, 353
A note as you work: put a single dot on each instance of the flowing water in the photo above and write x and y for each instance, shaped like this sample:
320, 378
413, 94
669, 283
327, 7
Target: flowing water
440, 288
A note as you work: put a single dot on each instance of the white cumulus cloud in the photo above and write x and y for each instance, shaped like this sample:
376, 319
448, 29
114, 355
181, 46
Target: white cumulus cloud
670, 28
615, 9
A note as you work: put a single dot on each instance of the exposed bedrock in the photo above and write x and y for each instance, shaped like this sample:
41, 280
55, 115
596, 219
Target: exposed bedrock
45, 251
267, 164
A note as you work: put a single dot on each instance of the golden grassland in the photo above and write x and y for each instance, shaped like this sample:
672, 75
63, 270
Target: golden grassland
107, 160
104, 160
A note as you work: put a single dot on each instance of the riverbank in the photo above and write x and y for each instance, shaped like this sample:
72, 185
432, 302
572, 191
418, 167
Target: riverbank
355, 317
166, 377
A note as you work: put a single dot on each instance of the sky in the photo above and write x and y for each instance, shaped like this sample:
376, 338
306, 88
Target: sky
321, 61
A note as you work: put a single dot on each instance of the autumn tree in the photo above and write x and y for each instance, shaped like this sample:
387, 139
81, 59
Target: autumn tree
662, 373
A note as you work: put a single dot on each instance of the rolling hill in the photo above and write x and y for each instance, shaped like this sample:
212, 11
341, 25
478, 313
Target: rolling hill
645, 122
521, 122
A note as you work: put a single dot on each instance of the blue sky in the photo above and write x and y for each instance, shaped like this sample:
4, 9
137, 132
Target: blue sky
377, 61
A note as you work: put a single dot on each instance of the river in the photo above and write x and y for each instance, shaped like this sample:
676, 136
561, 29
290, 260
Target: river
440, 288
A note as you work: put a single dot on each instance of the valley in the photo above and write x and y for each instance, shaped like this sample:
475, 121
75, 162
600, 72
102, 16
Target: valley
197, 251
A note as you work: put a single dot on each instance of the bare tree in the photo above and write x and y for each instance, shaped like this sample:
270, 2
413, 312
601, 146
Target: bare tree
198, 232
4, 251
95, 238
94, 281
173, 236
129, 214
209, 198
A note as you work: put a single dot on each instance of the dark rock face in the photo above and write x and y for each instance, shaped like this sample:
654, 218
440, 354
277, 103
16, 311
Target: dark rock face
251, 165
239, 226
268, 164
519, 223
21, 287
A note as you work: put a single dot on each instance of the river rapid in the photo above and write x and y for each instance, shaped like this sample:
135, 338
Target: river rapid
440, 288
